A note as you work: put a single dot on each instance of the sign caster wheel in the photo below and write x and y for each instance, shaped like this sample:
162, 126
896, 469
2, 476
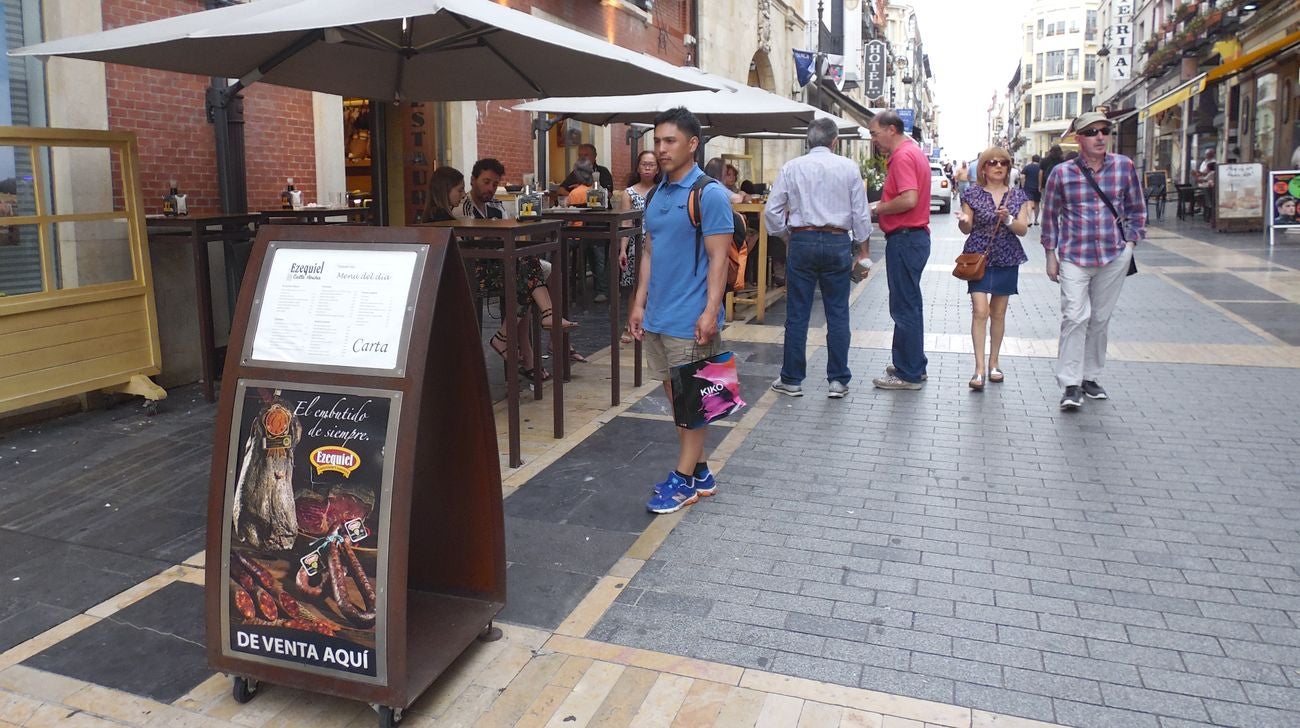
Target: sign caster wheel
388, 717
244, 689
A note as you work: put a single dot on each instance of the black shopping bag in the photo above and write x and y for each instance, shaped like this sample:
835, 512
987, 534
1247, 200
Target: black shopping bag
705, 390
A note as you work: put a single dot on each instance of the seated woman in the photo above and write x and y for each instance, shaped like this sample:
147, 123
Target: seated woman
583, 176
446, 191
717, 169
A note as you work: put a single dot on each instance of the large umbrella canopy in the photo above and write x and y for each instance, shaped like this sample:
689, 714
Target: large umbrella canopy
736, 110
417, 50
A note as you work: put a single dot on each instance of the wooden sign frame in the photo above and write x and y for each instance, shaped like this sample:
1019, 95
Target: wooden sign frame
443, 570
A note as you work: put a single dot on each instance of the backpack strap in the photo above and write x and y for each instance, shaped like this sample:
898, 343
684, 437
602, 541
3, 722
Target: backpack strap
695, 213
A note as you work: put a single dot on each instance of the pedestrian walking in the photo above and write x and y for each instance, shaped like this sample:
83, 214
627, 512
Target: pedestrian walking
904, 214
994, 214
1031, 179
677, 307
819, 203
1093, 216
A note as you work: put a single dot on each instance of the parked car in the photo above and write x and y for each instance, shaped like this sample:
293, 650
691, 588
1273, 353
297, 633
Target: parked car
940, 189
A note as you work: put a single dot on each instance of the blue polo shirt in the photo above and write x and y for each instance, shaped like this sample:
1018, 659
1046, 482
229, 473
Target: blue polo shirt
679, 286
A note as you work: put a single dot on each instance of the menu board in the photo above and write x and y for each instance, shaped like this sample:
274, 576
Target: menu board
1284, 199
334, 307
1240, 191
306, 527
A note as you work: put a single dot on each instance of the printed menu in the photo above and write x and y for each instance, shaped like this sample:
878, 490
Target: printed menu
328, 307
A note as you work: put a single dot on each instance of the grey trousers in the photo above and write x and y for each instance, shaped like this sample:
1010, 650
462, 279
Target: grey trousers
1088, 297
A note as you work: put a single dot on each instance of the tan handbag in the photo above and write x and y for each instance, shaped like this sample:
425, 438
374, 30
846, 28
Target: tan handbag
970, 266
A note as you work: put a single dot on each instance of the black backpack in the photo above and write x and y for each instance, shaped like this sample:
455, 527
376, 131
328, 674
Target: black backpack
693, 213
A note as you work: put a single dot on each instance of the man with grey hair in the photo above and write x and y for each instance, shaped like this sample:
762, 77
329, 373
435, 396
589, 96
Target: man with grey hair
819, 203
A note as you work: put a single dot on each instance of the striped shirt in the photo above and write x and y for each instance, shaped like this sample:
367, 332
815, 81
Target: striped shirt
1078, 225
470, 211
819, 189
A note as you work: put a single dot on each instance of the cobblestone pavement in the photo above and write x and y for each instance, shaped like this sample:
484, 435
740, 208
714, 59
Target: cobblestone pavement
1130, 565
893, 560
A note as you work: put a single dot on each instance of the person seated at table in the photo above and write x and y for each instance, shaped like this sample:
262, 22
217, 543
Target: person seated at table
717, 169
446, 194
489, 275
730, 176
1205, 173
582, 177
587, 157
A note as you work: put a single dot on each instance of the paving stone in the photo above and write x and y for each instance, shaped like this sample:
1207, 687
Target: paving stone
1069, 712
1153, 701
1025, 705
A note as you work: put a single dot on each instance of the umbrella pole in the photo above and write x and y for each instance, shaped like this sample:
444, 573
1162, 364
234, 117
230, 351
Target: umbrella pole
226, 113
541, 127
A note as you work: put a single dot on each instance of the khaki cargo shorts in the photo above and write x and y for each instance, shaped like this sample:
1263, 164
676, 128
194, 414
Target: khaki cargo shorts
663, 352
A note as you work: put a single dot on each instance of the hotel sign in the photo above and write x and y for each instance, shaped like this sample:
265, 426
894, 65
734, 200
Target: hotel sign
875, 55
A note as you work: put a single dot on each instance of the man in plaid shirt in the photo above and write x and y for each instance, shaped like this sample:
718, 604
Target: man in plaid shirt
1088, 253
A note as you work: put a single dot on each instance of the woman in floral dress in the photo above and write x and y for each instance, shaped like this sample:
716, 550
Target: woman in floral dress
993, 215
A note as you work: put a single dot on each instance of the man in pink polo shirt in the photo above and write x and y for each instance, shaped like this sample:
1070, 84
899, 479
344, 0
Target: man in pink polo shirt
903, 213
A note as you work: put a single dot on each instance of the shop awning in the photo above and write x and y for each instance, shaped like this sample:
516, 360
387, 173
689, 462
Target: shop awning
1258, 55
856, 111
1174, 97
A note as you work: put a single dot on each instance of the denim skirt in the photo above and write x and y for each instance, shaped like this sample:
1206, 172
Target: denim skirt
997, 281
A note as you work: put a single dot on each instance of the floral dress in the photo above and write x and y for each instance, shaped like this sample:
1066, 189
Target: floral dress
1006, 249
627, 278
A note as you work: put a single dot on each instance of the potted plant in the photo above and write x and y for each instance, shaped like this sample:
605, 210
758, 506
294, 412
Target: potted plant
1149, 47
873, 175
1185, 11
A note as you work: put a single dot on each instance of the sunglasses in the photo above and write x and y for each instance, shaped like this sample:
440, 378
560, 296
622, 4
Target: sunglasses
997, 163
1105, 130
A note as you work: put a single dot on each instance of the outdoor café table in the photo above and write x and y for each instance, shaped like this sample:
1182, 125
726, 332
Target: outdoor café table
198, 231
758, 297
316, 216
508, 241
610, 227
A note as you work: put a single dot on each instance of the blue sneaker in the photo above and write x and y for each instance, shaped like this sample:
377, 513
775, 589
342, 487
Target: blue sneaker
672, 494
705, 486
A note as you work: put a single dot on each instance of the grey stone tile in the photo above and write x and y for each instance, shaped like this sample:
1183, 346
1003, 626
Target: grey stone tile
1154, 702
1070, 712
999, 700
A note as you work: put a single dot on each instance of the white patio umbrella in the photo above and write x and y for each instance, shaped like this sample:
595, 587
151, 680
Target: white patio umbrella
736, 110
417, 50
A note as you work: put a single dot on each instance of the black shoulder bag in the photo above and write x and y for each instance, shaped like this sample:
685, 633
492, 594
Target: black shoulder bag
1087, 172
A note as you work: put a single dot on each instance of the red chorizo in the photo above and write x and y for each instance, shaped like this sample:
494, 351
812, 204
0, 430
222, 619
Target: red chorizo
243, 602
266, 605
289, 604
338, 588
359, 574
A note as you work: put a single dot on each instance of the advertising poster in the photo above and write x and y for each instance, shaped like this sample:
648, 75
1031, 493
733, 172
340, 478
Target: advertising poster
305, 528
1284, 196
1241, 191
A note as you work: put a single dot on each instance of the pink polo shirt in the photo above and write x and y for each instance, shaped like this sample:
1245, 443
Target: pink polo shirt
907, 169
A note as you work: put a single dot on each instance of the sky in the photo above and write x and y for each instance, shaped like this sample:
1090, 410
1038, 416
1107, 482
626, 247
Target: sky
973, 49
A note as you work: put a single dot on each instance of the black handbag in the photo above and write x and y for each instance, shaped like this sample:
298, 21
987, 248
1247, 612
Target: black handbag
1087, 172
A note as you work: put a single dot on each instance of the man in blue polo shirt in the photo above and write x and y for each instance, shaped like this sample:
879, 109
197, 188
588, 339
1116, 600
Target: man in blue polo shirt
677, 309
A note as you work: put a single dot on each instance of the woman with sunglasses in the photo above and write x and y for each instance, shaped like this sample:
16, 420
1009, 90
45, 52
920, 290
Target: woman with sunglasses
993, 215
639, 183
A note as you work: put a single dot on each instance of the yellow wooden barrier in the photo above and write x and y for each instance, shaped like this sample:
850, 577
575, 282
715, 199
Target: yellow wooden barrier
86, 321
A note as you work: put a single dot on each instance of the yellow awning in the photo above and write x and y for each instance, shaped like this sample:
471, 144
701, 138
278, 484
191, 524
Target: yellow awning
1174, 97
1242, 62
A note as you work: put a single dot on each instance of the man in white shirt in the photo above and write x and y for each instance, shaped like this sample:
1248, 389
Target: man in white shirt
819, 203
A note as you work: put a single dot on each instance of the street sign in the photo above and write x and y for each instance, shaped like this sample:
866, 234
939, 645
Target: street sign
909, 117
874, 87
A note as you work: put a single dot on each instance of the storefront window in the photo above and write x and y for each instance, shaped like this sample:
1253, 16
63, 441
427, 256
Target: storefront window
1265, 117
22, 103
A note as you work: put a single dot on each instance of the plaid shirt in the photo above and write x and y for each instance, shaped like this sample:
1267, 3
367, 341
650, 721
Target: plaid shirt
1078, 225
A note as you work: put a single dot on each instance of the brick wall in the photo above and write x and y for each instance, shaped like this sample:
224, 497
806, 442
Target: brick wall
507, 135
166, 111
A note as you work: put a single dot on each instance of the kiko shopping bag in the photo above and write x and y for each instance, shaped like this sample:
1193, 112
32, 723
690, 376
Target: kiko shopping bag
705, 390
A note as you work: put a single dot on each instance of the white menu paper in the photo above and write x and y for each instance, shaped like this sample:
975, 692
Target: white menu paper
341, 308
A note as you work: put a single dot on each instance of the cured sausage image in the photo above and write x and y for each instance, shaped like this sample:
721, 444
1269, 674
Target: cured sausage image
264, 516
